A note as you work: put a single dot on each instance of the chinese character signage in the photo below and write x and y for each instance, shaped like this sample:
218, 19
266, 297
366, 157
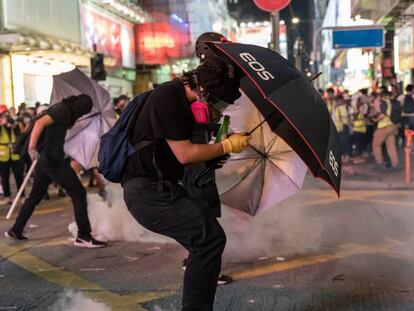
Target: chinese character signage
103, 31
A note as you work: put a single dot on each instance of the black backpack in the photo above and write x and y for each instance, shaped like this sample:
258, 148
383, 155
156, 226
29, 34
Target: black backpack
408, 105
395, 111
21, 144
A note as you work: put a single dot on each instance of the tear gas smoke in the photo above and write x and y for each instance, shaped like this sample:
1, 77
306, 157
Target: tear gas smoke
303, 224
70, 300
279, 231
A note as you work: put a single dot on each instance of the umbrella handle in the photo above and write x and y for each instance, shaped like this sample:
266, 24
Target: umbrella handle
261, 123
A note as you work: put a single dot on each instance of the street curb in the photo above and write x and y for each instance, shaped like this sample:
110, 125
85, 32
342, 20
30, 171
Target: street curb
374, 185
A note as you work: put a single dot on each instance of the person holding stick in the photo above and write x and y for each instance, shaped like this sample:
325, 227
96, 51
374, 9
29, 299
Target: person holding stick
49, 132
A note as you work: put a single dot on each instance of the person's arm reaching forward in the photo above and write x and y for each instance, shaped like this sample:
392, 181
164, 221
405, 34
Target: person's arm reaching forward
36, 132
186, 152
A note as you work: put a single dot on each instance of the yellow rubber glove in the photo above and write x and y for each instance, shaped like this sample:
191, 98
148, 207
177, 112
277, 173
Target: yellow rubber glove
236, 143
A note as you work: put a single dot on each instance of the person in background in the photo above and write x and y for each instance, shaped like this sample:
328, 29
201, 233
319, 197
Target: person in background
407, 103
9, 161
395, 91
31, 111
385, 133
21, 109
359, 126
342, 118
93, 175
120, 103
330, 99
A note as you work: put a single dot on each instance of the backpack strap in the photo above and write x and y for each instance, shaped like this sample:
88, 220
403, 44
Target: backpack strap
142, 144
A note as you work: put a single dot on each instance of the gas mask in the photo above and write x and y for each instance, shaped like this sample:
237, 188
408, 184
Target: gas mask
208, 110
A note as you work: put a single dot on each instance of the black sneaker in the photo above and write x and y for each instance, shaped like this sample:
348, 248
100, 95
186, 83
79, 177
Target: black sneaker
224, 279
89, 243
395, 169
185, 263
15, 235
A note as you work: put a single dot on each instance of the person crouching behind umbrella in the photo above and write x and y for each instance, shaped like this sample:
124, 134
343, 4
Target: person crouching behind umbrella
9, 161
152, 182
49, 133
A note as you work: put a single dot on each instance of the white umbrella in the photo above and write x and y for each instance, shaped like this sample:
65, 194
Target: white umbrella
82, 140
266, 173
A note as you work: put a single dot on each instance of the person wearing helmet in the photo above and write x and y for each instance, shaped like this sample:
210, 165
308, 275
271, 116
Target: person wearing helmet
9, 162
153, 178
202, 135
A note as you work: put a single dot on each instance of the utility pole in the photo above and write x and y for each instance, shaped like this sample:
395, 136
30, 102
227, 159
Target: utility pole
298, 56
274, 17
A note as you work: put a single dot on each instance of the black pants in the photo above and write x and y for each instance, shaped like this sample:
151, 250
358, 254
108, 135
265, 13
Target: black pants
408, 122
65, 177
173, 213
17, 168
358, 140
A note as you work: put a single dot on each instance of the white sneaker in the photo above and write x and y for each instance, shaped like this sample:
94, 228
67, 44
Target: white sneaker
89, 243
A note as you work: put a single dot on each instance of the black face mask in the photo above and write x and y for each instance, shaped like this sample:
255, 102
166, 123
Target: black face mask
228, 91
78, 106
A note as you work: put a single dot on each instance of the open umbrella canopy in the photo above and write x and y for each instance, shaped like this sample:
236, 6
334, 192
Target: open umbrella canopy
267, 172
291, 105
82, 140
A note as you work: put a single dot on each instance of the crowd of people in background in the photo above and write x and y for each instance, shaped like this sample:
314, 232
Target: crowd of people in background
372, 123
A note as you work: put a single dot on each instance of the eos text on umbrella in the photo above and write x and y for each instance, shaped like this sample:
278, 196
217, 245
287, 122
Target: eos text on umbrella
256, 66
333, 163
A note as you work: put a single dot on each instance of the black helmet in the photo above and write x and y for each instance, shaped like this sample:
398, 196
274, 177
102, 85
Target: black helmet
202, 49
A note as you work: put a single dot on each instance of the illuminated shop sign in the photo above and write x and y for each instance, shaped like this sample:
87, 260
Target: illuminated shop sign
158, 43
103, 31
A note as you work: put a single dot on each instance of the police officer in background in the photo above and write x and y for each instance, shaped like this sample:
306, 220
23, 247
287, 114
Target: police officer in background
152, 182
9, 161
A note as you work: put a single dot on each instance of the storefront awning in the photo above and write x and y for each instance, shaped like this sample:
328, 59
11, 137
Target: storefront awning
44, 47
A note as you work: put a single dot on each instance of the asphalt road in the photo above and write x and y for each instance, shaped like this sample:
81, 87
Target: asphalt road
355, 253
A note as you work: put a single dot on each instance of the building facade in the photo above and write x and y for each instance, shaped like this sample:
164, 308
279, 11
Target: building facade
39, 39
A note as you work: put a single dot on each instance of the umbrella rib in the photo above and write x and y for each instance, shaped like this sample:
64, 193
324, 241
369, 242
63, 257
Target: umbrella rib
259, 198
257, 162
293, 182
272, 142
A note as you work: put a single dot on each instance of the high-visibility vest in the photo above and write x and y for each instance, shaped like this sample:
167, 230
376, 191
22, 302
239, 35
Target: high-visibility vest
6, 145
386, 121
330, 104
340, 117
360, 125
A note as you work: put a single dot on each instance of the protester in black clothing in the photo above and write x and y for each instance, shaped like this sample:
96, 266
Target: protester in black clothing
52, 166
206, 190
8, 160
153, 177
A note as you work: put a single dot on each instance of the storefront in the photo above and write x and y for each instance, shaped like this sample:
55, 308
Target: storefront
47, 42
114, 37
